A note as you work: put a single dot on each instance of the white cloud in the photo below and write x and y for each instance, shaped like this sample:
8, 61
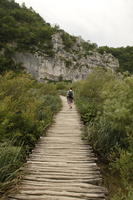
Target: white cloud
106, 22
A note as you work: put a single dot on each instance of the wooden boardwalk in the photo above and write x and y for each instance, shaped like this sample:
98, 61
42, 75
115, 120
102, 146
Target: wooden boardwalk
62, 166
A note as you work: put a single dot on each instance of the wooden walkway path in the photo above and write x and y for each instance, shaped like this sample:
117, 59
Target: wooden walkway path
62, 166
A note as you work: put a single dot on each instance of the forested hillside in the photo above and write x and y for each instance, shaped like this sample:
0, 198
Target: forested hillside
21, 30
124, 55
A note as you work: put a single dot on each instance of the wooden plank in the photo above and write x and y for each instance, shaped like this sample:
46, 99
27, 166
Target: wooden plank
60, 171
91, 180
63, 185
43, 197
32, 186
62, 193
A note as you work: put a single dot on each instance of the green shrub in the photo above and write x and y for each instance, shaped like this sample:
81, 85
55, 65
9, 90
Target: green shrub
62, 87
68, 63
121, 196
87, 46
124, 166
68, 40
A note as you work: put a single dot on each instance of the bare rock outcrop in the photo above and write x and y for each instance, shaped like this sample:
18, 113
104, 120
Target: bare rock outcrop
71, 65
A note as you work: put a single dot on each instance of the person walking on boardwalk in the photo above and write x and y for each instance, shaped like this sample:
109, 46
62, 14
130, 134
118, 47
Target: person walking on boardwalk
70, 96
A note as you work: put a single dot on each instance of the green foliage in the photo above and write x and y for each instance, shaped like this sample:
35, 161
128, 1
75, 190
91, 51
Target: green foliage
124, 55
105, 103
26, 110
10, 161
87, 110
68, 40
22, 30
68, 63
121, 196
62, 87
87, 46
124, 165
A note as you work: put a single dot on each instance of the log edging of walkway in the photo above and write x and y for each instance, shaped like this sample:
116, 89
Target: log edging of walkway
62, 166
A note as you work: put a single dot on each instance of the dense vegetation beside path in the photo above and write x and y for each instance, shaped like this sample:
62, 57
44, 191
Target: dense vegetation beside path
26, 110
105, 101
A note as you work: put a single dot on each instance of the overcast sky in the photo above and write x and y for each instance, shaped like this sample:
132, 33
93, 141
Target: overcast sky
105, 22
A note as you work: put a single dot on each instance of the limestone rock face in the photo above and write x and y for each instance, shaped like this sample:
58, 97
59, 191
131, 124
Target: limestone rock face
73, 65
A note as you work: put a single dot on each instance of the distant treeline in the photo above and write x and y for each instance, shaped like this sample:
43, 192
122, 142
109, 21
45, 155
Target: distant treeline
124, 55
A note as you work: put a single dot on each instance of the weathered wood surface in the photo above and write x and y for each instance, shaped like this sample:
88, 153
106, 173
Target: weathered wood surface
62, 166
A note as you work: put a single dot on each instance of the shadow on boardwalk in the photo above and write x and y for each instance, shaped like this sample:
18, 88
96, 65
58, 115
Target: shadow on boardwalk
62, 166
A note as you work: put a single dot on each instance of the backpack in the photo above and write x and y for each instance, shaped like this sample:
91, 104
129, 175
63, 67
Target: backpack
70, 94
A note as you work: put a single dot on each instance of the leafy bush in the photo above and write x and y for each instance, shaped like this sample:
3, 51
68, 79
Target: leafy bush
121, 196
87, 46
124, 165
68, 40
62, 87
68, 63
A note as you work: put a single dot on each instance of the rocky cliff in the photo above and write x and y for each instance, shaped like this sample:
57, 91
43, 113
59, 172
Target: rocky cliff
73, 64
